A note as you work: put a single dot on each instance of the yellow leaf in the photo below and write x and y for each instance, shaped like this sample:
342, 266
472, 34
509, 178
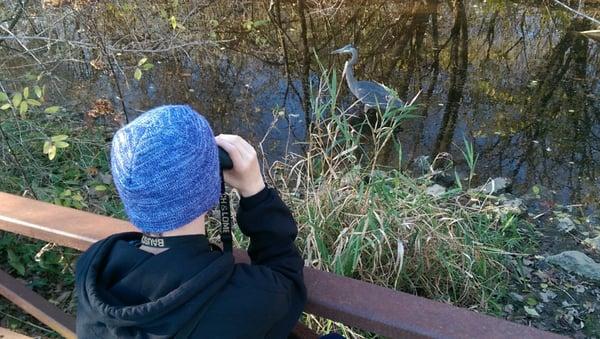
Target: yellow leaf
23, 108
142, 61
100, 188
62, 144
47, 145
38, 91
60, 137
173, 21
138, 74
26, 92
52, 109
52, 152
33, 102
17, 99
5, 107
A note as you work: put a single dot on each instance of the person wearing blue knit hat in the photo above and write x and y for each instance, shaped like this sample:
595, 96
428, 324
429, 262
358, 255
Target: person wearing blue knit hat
168, 281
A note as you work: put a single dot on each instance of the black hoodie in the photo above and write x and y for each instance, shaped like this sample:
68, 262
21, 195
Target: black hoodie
194, 288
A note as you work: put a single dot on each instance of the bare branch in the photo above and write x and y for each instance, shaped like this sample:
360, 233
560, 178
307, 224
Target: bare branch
578, 12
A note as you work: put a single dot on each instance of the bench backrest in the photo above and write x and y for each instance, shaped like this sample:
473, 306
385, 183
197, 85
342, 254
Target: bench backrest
355, 303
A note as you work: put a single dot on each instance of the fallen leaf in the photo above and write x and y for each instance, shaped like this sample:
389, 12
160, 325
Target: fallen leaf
531, 311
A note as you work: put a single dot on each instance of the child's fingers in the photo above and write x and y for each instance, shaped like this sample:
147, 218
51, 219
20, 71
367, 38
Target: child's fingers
231, 149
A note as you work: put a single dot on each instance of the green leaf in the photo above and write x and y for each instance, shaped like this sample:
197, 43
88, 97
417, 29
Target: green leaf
15, 262
52, 152
147, 66
23, 108
60, 137
259, 23
38, 91
138, 74
3, 96
26, 92
47, 145
531, 301
535, 189
17, 99
100, 188
5, 107
33, 102
142, 61
66, 193
62, 144
52, 109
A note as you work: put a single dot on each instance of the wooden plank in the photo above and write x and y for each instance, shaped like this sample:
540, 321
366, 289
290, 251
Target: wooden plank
36, 305
5, 333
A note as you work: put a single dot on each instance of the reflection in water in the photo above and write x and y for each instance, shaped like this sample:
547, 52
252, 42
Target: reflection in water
517, 81
459, 55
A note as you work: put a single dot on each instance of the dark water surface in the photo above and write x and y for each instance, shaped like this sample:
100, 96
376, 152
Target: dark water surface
514, 78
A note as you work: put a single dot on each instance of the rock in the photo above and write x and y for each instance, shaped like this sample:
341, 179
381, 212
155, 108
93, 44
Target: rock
565, 224
513, 206
593, 243
495, 186
444, 179
516, 296
436, 190
578, 263
422, 163
547, 296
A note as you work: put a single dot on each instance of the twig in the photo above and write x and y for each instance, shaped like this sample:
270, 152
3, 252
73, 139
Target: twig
113, 49
27, 322
577, 12
21, 44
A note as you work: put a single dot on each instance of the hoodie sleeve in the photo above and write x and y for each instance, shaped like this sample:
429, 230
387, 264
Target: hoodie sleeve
268, 222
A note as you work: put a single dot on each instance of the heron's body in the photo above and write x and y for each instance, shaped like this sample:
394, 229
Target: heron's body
370, 93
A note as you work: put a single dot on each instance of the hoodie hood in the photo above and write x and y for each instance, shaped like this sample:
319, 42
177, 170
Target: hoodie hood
121, 286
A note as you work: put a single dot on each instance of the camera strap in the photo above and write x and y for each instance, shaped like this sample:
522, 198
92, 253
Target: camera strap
225, 209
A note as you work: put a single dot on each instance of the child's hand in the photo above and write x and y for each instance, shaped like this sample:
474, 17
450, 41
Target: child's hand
245, 175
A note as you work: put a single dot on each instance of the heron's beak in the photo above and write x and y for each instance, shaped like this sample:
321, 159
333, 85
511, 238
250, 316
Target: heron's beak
338, 51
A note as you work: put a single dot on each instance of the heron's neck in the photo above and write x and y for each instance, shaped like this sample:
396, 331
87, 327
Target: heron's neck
349, 73
348, 67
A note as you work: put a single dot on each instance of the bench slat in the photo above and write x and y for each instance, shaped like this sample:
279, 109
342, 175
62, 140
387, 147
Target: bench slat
36, 305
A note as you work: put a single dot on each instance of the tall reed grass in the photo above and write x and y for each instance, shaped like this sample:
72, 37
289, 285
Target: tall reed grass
361, 215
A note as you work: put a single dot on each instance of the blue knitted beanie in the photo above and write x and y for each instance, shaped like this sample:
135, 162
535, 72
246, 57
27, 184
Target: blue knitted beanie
165, 166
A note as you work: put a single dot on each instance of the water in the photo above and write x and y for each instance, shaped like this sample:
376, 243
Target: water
515, 79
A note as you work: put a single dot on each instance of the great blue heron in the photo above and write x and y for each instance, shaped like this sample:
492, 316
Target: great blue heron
370, 93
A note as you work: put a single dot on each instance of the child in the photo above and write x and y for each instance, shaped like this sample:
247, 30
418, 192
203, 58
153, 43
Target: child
168, 281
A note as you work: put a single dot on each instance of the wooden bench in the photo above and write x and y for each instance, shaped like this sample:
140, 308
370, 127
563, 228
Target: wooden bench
355, 303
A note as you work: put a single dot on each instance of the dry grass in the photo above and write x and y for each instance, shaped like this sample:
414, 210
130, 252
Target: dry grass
361, 218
